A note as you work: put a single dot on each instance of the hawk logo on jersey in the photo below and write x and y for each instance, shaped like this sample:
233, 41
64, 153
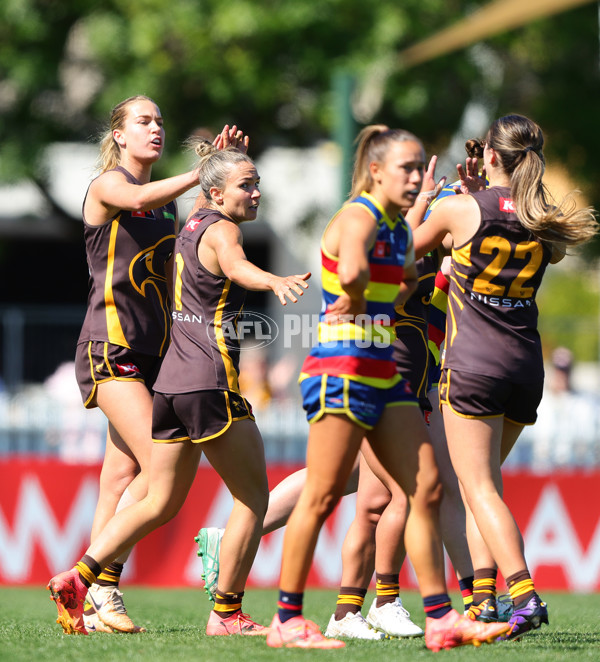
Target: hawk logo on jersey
237, 406
143, 214
192, 224
148, 267
507, 205
382, 249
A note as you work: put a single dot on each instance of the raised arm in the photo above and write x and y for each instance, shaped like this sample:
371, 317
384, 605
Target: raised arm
111, 192
429, 191
456, 215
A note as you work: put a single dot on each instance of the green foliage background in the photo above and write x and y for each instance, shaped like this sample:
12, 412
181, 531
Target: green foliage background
570, 314
269, 66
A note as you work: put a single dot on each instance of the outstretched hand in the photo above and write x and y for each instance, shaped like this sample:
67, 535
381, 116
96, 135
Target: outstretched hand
429, 189
289, 286
471, 180
232, 137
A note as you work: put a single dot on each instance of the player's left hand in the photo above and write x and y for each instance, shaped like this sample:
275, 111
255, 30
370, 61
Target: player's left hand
471, 180
232, 137
429, 188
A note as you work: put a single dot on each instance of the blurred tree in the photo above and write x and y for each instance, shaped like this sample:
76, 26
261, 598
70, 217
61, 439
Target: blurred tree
569, 312
268, 65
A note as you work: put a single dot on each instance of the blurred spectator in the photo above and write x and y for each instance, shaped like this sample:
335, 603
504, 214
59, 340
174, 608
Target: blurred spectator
254, 377
283, 379
562, 365
565, 434
262, 382
78, 435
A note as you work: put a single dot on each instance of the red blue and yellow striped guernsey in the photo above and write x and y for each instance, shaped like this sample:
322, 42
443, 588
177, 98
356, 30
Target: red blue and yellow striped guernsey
355, 350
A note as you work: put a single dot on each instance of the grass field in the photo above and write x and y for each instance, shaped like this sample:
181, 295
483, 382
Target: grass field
176, 619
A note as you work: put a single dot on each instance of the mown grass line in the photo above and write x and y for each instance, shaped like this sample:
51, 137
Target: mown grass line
176, 619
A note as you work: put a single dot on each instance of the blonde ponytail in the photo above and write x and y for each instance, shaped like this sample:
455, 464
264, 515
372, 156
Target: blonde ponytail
518, 142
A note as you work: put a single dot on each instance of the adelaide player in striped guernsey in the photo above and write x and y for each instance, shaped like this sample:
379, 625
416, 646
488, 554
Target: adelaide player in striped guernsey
351, 389
375, 538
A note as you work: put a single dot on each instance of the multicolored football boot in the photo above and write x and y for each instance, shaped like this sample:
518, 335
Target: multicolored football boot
486, 611
525, 618
209, 545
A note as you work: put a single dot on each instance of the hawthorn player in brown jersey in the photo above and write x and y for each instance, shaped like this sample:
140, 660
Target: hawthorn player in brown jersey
503, 239
129, 229
197, 404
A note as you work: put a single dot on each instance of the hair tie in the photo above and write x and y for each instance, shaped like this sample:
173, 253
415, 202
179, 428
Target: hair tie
529, 148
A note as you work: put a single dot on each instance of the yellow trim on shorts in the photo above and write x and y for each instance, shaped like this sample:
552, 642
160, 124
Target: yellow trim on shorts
471, 417
108, 366
466, 416
375, 382
224, 429
95, 386
349, 413
410, 403
114, 377
248, 413
345, 410
111, 378
511, 420
170, 441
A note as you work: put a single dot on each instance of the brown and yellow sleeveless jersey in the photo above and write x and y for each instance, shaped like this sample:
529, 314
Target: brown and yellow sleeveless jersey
128, 301
492, 314
204, 352
411, 347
